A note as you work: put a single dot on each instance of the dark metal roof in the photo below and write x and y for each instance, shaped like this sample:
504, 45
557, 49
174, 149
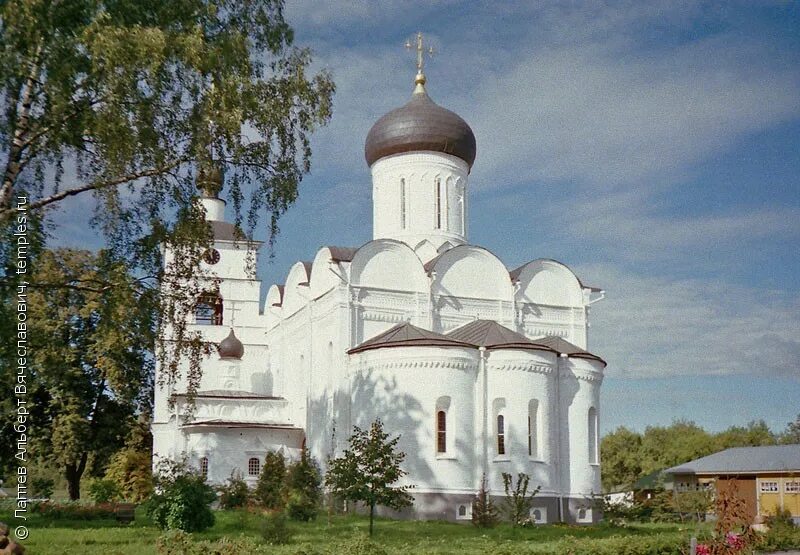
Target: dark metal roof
407, 335
219, 423
490, 334
420, 124
564, 347
744, 460
230, 394
231, 347
342, 254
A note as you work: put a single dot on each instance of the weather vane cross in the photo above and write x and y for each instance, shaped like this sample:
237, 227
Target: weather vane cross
420, 46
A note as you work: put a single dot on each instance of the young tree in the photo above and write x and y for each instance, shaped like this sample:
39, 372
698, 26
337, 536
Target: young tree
484, 513
303, 492
89, 362
367, 470
792, 432
269, 490
518, 503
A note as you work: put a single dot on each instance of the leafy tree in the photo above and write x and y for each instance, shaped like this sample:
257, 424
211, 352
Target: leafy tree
182, 499
683, 441
132, 103
269, 490
756, 433
792, 432
518, 504
621, 456
484, 513
303, 492
42, 487
366, 471
90, 364
131, 467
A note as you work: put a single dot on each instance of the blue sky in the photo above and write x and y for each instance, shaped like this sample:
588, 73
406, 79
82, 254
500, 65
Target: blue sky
652, 146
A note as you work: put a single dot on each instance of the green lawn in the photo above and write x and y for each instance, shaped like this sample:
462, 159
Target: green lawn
56, 537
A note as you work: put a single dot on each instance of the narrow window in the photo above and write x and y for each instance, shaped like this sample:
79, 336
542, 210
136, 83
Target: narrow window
441, 432
438, 203
593, 435
204, 466
402, 203
253, 467
208, 310
501, 435
533, 427
462, 510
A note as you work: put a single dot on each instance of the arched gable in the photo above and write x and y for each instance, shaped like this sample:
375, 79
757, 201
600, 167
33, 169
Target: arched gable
296, 292
468, 271
548, 282
388, 264
322, 278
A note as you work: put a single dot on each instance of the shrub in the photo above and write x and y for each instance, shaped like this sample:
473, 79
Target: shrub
303, 490
274, 529
269, 490
484, 513
518, 503
103, 491
182, 499
360, 544
131, 471
42, 487
780, 538
176, 542
73, 511
235, 493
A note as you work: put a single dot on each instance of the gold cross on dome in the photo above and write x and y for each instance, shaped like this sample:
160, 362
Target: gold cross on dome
421, 49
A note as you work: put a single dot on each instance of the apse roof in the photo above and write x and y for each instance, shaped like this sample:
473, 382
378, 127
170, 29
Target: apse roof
564, 347
342, 254
408, 335
490, 334
742, 460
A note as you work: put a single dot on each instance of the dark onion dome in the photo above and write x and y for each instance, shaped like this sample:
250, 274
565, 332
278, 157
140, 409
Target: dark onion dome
210, 179
231, 347
420, 125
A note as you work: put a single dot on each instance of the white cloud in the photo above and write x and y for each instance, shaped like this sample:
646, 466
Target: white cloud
658, 327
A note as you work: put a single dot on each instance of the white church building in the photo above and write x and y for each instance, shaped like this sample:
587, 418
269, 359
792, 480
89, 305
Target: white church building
480, 369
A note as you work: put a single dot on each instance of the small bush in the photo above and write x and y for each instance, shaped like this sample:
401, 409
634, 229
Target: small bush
42, 487
303, 491
103, 491
780, 538
518, 503
484, 513
183, 499
274, 529
269, 490
176, 542
235, 493
73, 511
359, 544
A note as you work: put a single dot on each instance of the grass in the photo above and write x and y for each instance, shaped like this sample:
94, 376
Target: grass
106, 537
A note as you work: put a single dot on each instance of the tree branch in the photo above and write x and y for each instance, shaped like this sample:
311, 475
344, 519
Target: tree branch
5, 212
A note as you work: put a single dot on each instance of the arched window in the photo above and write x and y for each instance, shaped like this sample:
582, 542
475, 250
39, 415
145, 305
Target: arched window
441, 432
253, 466
204, 466
462, 510
533, 428
402, 203
208, 310
501, 435
593, 452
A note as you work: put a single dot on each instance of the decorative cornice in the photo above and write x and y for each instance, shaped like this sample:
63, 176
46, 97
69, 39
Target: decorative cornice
522, 367
414, 364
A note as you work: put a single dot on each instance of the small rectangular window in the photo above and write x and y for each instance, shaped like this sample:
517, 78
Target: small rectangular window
792, 487
769, 487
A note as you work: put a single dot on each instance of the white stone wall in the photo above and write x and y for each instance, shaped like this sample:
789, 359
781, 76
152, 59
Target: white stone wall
421, 171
